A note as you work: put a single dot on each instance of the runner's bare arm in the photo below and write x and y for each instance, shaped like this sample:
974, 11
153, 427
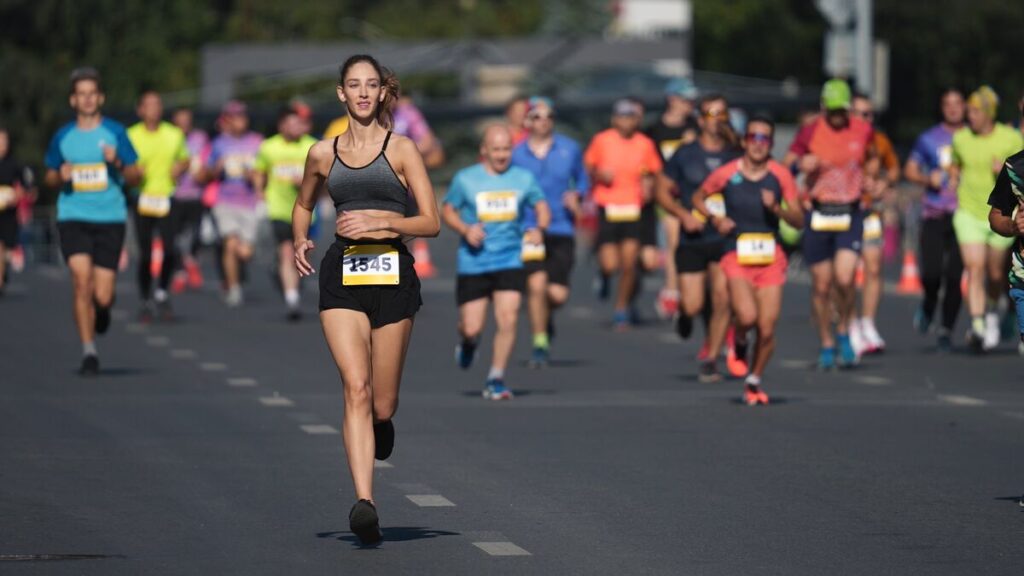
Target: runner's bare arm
474, 234
1008, 226
427, 223
302, 213
663, 196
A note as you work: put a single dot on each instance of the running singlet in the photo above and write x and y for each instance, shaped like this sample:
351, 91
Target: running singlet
976, 156
283, 162
239, 155
756, 232
497, 201
841, 154
158, 151
689, 167
1007, 197
95, 193
559, 171
198, 144
933, 150
629, 159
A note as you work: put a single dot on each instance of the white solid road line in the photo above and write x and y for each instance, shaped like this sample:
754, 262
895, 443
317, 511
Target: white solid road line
241, 382
501, 549
158, 341
213, 367
183, 354
382, 464
873, 380
957, 400
136, 328
319, 429
276, 401
429, 500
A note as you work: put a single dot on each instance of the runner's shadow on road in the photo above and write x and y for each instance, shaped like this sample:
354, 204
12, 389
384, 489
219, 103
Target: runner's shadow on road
391, 534
773, 401
561, 363
518, 393
121, 372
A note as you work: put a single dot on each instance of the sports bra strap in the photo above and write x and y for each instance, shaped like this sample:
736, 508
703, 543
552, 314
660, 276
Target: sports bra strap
386, 138
336, 147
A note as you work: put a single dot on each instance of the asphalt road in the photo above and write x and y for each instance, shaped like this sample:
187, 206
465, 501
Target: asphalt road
210, 446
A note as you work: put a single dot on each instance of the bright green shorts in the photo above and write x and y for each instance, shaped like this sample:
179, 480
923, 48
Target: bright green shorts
970, 230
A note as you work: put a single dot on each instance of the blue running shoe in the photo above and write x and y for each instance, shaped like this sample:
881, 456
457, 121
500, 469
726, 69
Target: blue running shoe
847, 355
620, 321
827, 359
464, 353
496, 390
539, 358
922, 321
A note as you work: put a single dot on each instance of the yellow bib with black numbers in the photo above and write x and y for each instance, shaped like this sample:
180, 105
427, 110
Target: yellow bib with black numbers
830, 222
715, 205
533, 252
872, 227
755, 249
6, 196
154, 206
622, 212
370, 265
287, 172
497, 206
89, 177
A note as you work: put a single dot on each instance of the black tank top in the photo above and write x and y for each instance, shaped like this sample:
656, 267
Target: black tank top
372, 187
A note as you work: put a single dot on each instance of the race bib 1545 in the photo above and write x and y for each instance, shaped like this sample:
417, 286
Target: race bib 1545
370, 265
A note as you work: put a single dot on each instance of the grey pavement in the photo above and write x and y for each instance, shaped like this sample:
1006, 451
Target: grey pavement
210, 446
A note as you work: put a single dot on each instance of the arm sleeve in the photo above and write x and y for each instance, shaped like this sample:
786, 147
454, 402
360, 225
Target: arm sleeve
579, 174
786, 182
125, 150
802, 143
919, 153
456, 193
534, 193
54, 157
955, 149
654, 163
262, 163
1002, 197
715, 181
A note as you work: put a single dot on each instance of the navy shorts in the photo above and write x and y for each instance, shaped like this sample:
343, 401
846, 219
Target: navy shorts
823, 244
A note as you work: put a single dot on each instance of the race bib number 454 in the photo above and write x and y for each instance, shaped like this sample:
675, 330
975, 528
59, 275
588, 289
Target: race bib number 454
497, 206
89, 177
370, 265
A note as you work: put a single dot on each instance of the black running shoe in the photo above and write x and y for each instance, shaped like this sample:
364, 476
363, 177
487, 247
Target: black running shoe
164, 311
709, 372
364, 523
102, 323
90, 366
684, 326
294, 315
384, 439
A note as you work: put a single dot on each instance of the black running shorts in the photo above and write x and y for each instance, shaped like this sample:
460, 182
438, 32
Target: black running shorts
101, 241
383, 303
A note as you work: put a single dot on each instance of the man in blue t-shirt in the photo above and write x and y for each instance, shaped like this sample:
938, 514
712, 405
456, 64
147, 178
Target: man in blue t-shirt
90, 161
485, 205
556, 161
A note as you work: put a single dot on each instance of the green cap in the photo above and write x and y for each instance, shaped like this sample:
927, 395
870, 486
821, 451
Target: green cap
835, 95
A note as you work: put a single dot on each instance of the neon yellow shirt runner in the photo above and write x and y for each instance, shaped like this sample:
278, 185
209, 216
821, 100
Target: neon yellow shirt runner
975, 156
283, 163
158, 151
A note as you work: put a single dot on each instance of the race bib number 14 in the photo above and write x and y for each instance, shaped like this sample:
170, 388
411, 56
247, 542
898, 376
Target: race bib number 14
755, 249
370, 265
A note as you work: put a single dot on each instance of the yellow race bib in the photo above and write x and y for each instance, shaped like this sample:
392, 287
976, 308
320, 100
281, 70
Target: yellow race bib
89, 177
154, 206
755, 249
287, 172
872, 227
370, 265
830, 222
6, 197
715, 205
533, 252
622, 212
497, 206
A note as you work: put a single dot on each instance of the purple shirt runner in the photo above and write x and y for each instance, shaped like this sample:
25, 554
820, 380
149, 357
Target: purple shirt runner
934, 151
188, 189
239, 155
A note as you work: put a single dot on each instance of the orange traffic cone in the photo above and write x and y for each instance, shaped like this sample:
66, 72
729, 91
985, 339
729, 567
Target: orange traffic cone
421, 253
910, 277
859, 277
157, 256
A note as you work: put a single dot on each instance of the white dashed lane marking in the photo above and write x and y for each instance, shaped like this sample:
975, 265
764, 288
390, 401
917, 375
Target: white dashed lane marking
319, 429
213, 367
429, 500
794, 364
962, 400
241, 382
136, 328
158, 341
276, 401
501, 549
183, 354
873, 380
382, 464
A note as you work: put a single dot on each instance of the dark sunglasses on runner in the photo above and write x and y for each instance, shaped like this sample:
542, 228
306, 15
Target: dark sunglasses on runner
754, 138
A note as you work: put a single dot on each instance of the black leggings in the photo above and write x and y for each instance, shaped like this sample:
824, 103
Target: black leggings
144, 229
941, 266
187, 218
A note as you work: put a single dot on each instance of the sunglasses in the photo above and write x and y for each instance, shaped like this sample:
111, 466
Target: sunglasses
721, 115
540, 116
758, 138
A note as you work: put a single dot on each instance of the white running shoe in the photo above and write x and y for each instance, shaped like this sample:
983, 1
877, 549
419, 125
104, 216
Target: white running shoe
991, 331
857, 339
870, 334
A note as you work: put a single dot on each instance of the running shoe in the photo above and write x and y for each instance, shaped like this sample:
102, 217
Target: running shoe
847, 355
922, 321
945, 341
164, 311
294, 315
666, 305
754, 395
684, 326
364, 523
195, 275
827, 359
709, 372
703, 355
464, 353
621, 321
975, 341
384, 439
857, 340
991, 336
147, 312
539, 358
179, 282
102, 322
496, 390
233, 298
736, 355
602, 287
90, 366
869, 333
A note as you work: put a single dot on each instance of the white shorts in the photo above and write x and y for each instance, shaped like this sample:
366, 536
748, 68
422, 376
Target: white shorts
237, 221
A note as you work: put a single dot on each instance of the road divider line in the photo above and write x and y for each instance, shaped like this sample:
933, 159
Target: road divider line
241, 382
873, 380
276, 401
501, 549
318, 429
382, 464
429, 500
183, 354
136, 328
213, 367
958, 400
158, 341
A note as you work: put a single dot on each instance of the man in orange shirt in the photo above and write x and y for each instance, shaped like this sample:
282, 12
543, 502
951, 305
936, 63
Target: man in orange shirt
617, 160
